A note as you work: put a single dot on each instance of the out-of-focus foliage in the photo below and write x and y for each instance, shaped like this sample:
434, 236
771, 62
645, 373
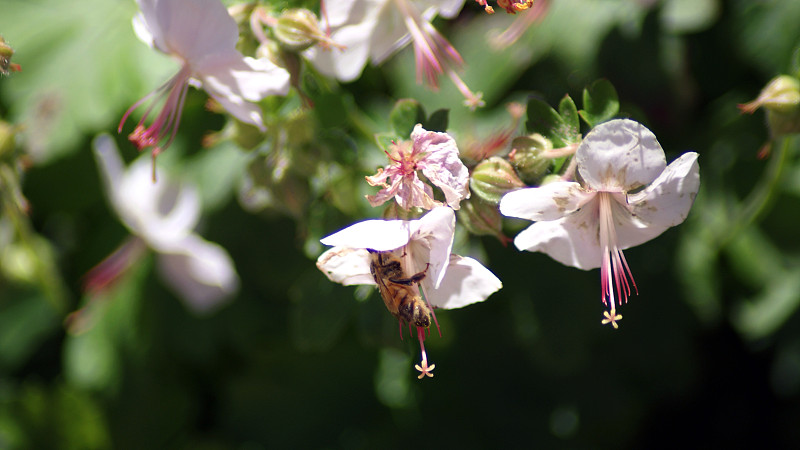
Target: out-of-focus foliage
709, 349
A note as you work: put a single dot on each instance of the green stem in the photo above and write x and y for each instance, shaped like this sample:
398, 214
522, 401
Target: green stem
762, 197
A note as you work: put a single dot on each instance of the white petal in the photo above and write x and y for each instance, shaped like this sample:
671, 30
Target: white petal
161, 213
235, 81
347, 266
619, 155
666, 202
142, 31
190, 29
432, 241
201, 273
571, 240
380, 235
353, 23
110, 163
548, 202
467, 281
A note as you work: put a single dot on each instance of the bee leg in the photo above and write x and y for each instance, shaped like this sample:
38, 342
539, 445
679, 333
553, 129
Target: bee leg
416, 278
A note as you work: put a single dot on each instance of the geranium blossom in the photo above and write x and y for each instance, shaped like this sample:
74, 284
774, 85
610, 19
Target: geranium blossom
436, 155
202, 37
163, 216
423, 245
626, 196
375, 29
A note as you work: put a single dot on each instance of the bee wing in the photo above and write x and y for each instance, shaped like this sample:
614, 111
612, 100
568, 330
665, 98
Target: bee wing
346, 265
466, 281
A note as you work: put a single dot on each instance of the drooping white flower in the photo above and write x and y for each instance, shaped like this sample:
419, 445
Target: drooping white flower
423, 245
436, 155
163, 216
626, 196
202, 37
375, 29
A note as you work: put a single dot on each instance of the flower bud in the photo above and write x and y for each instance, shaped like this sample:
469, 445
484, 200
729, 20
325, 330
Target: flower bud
297, 29
8, 135
481, 218
527, 158
6, 52
494, 177
781, 95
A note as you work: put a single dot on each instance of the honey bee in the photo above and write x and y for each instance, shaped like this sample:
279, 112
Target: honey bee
397, 289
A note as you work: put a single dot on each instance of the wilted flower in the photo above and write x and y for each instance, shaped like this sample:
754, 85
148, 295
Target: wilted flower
423, 247
163, 216
433, 153
376, 29
202, 37
626, 196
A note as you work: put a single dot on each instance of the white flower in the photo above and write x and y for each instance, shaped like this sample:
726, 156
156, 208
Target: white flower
436, 155
423, 245
163, 215
202, 37
627, 195
375, 29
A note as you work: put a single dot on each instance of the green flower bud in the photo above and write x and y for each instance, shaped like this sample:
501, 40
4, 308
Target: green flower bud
781, 123
527, 158
781, 95
482, 218
8, 135
6, 52
297, 29
492, 178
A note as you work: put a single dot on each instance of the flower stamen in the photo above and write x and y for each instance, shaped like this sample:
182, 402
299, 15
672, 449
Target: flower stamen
423, 367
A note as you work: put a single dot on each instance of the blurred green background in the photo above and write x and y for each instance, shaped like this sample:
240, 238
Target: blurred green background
708, 355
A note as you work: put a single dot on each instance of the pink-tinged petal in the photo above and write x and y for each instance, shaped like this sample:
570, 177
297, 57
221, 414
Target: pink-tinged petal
466, 282
548, 202
619, 155
235, 81
189, 29
347, 266
432, 241
572, 240
380, 235
441, 164
413, 192
201, 273
667, 201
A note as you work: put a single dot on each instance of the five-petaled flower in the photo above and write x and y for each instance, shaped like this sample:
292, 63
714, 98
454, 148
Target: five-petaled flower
433, 153
202, 37
162, 216
375, 29
626, 195
423, 246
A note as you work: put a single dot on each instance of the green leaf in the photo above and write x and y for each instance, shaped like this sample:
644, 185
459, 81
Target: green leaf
405, 115
385, 140
437, 121
561, 128
571, 125
600, 103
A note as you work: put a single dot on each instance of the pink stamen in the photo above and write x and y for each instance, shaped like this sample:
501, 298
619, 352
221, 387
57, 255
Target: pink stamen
160, 134
614, 270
